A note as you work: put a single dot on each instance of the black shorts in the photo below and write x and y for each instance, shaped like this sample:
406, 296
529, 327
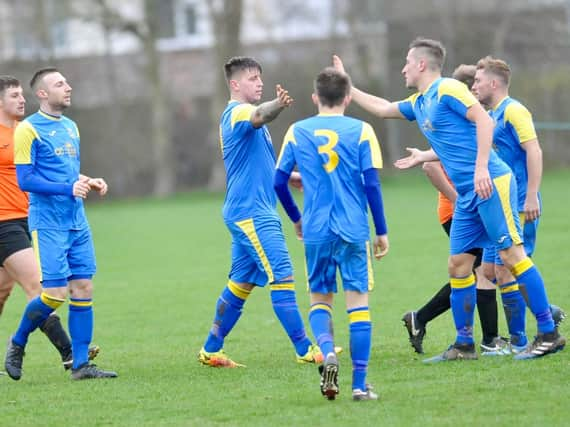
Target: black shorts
14, 236
477, 252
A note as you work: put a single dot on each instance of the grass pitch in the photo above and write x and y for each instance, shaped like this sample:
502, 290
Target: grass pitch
161, 267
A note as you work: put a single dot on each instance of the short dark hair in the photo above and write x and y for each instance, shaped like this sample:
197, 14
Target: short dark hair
332, 86
8, 82
39, 75
240, 63
465, 73
434, 50
497, 67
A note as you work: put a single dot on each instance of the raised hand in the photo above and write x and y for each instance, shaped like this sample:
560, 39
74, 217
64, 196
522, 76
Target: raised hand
337, 63
283, 96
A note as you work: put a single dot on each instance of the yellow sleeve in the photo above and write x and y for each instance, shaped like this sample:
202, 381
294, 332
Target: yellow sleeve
288, 138
521, 120
24, 137
369, 135
457, 90
242, 113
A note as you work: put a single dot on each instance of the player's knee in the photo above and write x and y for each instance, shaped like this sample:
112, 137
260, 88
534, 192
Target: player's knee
82, 288
459, 266
59, 293
504, 275
488, 271
513, 255
32, 288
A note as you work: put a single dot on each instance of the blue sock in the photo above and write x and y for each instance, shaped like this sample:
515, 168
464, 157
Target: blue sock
287, 311
320, 318
528, 276
36, 312
515, 311
80, 323
228, 311
463, 301
360, 343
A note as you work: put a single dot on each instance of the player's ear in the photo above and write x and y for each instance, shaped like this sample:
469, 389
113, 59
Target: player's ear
422, 64
41, 93
234, 85
315, 99
347, 100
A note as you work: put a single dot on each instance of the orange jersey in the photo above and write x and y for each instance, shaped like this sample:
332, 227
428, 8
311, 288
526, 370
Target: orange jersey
13, 201
444, 208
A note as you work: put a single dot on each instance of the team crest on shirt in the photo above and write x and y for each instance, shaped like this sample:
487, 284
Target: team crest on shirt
427, 126
68, 149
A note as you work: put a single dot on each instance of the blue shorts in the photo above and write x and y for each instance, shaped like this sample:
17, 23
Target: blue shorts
491, 255
64, 255
259, 253
352, 260
481, 223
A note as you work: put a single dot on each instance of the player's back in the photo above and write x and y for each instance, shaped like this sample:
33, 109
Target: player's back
249, 160
331, 152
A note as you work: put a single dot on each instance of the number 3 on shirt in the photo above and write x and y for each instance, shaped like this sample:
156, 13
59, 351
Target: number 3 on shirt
328, 148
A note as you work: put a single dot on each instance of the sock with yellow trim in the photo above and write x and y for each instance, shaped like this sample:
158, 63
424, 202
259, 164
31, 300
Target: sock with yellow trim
515, 312
463, 301
528, 276
80, 324
320, 319
228, 311
287, 311
36, 312
360, 343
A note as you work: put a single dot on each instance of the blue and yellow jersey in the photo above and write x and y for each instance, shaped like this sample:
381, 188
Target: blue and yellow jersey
51, 146
331, 152
249, 160
441, 115
513, 127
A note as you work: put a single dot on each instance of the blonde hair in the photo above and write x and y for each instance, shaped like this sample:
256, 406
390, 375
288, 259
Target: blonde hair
497, 67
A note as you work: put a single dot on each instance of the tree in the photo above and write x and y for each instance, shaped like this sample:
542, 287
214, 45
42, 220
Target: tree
226, 16
146, 31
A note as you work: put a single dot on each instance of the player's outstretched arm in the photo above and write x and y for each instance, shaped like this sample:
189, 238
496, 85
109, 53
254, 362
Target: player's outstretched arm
415, 158
268, 111
434, 171
373, 104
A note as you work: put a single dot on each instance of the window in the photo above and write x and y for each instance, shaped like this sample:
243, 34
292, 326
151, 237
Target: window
183, 24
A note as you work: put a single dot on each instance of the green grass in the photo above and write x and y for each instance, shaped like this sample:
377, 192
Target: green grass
161, 267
